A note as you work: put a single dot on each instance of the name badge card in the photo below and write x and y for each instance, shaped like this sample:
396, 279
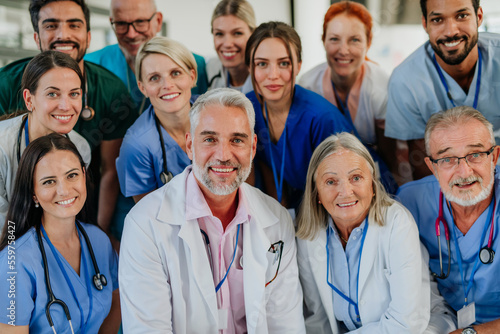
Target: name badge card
467, 315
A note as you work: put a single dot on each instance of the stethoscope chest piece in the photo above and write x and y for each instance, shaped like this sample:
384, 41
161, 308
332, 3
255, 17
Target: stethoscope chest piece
100, 281
87, 113
166, 177
486, 255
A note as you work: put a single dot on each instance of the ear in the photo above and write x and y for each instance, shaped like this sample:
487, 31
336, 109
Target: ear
429, 164
36, 37
496, 153
192, 74
189, 145
254, 146
424, 24
142, 88
299, 66
28, 99
479, 16
159, 20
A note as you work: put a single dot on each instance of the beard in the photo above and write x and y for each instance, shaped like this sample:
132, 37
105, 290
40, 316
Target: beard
80, 51
219, 187
467, 198
455, 57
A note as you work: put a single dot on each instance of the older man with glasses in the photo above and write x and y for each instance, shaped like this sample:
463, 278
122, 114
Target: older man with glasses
134, 23
458, 217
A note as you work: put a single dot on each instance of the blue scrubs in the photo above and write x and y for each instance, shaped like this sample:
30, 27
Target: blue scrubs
422, 199
310, 120
416, 90
141, 161
29, 292
111, 57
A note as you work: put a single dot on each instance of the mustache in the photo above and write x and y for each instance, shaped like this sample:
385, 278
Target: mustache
227, 163
462, 181
451, 39
53, 44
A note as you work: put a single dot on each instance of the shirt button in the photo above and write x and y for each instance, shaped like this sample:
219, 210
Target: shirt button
362, 302
354, 238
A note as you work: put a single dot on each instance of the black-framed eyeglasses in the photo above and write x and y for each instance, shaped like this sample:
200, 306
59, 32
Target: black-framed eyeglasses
277, 250
141, 26
471, 159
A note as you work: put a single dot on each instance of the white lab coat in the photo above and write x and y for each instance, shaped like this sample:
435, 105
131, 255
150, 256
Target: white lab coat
166, 283
394, 290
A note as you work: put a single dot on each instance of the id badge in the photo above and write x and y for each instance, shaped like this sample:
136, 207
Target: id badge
222, 318
467, 315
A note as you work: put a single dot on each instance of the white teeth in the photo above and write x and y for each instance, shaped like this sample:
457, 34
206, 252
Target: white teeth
68, 201
222, 170
228, 54
64, 48
450, 45
347, 204
62, 118
170, 96
344, 61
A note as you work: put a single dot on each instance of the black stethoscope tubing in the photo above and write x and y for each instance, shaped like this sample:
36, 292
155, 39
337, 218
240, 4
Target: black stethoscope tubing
165, 175
99, 279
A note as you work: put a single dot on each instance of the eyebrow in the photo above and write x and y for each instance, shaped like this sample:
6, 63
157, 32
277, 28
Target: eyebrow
52, 20
53, 176
465, 9
234, 134
469, 146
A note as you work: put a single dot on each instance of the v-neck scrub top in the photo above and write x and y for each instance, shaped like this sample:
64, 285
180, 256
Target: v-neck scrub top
30, 294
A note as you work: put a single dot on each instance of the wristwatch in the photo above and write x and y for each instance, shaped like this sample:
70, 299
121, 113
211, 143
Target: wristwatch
469, 330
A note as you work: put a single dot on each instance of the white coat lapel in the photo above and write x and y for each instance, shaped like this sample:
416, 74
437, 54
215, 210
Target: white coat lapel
190, 233
370, 250
255, 246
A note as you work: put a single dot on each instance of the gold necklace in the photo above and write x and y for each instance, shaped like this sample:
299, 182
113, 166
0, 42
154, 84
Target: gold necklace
344, 240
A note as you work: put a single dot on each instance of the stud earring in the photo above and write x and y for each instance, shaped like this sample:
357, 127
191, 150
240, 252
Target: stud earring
37, 205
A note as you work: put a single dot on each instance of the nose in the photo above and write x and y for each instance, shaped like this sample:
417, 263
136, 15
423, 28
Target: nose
345, 188
223, 152
64, 103
344, 48
463, 167
131, 33
63, 188
227, 40
63, 32
273, 71
451, 28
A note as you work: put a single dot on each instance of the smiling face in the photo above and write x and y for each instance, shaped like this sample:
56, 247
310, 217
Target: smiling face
56, 104
59, 186
346, 45
452, 26
230, 38
130, 11
222, 148
345, 187
466, 184
272, 68
62, 28
165, 83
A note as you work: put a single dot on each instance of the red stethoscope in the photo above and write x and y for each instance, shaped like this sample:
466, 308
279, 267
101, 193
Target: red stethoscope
486, 254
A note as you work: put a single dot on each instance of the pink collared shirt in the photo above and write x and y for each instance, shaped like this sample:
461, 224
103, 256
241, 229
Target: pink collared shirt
230, 297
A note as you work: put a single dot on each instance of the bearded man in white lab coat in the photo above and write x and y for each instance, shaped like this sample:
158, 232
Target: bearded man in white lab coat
208, 253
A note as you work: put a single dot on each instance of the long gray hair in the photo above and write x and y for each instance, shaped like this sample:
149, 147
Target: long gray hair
312, 215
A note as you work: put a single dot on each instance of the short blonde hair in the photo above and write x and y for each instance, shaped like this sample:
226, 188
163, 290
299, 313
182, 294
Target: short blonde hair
239, 8
167, 47
312, 215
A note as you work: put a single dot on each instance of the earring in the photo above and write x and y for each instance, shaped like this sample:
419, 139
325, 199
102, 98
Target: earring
37, 205
319, 202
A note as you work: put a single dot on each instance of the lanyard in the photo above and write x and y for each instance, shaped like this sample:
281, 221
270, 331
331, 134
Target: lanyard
349, 300
491, 216
83, 324
478, 82
277, 183
217, 288
345, 109
26, 132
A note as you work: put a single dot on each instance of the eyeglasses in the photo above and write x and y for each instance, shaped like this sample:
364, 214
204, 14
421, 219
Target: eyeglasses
140, 26
471, 159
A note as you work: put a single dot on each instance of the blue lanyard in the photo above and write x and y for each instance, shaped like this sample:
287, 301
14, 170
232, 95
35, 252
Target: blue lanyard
478, 82
277, 183
349, 300
490, 217
83, 324
217, 288
26, 132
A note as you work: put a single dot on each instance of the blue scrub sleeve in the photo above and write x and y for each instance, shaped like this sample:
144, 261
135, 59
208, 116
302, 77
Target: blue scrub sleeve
324, 127
18, 287
135, 168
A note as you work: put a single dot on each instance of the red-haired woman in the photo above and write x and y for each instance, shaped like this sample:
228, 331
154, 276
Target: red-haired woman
348, 79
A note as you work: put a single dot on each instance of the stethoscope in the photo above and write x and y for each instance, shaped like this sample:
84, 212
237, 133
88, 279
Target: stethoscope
99, 279
165, 175
486, 253
87, 112
478, 82
24, 126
